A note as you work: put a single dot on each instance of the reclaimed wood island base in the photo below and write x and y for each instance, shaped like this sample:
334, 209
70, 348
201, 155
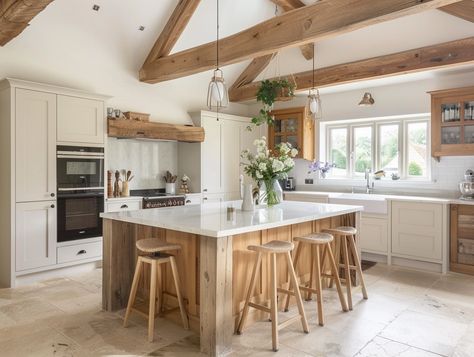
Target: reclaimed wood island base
214, 264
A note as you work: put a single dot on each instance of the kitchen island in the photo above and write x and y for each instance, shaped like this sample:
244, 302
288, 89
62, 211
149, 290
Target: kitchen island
214, 263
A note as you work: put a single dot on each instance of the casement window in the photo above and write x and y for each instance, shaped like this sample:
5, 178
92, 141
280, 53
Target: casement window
397, 146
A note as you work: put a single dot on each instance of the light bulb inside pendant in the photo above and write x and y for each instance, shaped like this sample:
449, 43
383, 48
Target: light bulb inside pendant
314, 104
217, 91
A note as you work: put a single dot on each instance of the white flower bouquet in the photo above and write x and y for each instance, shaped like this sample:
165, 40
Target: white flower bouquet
268, 166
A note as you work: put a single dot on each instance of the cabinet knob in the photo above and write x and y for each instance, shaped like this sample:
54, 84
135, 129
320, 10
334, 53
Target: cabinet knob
188, 201
205, 198
52, 206
123, 206
53, 194
204, 190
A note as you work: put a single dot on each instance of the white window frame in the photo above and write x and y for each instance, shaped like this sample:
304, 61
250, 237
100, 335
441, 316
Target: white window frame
376, 125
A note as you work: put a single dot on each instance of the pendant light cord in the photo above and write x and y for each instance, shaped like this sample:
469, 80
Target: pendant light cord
313, 65
217, 42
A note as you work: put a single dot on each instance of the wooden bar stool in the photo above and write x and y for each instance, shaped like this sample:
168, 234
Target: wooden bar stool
346, 247
273, 248
155, 247
320, 245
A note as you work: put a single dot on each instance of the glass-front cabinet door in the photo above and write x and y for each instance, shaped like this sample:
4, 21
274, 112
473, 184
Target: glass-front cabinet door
452, 122
295, 127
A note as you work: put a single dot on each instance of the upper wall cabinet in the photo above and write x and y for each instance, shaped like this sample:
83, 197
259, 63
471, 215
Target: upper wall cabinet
35, 145
452, 122
80, 120
294, 126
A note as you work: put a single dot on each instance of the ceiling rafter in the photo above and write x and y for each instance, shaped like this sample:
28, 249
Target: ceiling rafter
463, 9
173, 29
288, 5
15, 16
323, 19
416, 60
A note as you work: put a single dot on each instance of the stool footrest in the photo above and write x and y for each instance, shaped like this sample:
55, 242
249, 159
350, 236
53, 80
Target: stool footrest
259, 307
288, 322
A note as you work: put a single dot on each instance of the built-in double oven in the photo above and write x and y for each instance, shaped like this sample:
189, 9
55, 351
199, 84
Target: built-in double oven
80, 179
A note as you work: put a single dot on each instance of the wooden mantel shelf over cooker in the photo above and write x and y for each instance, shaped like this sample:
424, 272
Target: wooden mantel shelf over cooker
151, 130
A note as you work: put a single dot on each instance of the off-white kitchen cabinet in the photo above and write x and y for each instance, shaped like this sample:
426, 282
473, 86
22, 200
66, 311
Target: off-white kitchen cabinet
211, 152
30, 125
213, 166
80, 120
35, 235
374, 234
417, 230
35, 145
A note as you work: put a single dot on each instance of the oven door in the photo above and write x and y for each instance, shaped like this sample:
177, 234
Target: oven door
80, 172
78, 215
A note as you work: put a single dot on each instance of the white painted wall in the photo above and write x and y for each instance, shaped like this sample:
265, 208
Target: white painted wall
397, 99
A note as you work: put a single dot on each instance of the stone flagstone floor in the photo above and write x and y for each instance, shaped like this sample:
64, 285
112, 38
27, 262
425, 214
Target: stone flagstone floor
409, 314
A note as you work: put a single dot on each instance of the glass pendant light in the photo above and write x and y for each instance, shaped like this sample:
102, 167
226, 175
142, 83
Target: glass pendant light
217, 93
314, 100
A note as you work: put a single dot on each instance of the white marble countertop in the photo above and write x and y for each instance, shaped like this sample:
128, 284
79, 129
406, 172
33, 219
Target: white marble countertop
211, 219
374, 196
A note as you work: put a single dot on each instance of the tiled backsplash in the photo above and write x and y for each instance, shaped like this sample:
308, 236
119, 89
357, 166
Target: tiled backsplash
445, 177
148, 160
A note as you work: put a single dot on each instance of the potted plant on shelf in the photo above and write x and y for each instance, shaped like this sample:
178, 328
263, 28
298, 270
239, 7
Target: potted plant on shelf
269, 92
267, 167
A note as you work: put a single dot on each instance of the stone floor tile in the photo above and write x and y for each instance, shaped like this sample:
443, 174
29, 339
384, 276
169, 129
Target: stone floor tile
381, 347
431, 333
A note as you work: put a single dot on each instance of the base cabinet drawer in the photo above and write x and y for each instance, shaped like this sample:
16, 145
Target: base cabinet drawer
124, 206
374, 235
77, 252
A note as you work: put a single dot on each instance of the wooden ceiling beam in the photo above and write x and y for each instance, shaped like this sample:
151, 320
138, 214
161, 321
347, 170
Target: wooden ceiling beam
420, 59
288, 5
251, 72
294, 28
173, 29
463, 9
15, 16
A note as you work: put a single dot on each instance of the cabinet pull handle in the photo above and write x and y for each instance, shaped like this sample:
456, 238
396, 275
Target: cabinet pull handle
205, 198
123, 206
52, 194
82, 251
82, 232
52, 206
205, 190
188, 201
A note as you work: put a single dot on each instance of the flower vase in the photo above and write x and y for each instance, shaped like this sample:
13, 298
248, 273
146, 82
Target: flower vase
271, 192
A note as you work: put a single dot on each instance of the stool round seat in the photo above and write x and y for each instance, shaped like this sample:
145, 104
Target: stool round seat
154, 245
343, 230
274, 246
315, 238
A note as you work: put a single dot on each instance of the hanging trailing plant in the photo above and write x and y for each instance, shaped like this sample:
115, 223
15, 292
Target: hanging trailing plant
269, 92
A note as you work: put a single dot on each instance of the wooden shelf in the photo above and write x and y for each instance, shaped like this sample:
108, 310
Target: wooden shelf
151, 130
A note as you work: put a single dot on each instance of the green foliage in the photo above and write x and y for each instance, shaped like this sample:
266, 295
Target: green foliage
267, 94
339, 159
414, 169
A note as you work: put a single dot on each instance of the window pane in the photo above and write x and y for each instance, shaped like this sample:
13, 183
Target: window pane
388, 150
362, 149
338, 151
417, 149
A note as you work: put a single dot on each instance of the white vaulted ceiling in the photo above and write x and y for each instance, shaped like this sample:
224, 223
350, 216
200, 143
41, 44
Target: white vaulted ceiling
71, 45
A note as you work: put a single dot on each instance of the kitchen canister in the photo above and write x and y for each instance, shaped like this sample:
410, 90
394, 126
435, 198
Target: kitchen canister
170, 188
